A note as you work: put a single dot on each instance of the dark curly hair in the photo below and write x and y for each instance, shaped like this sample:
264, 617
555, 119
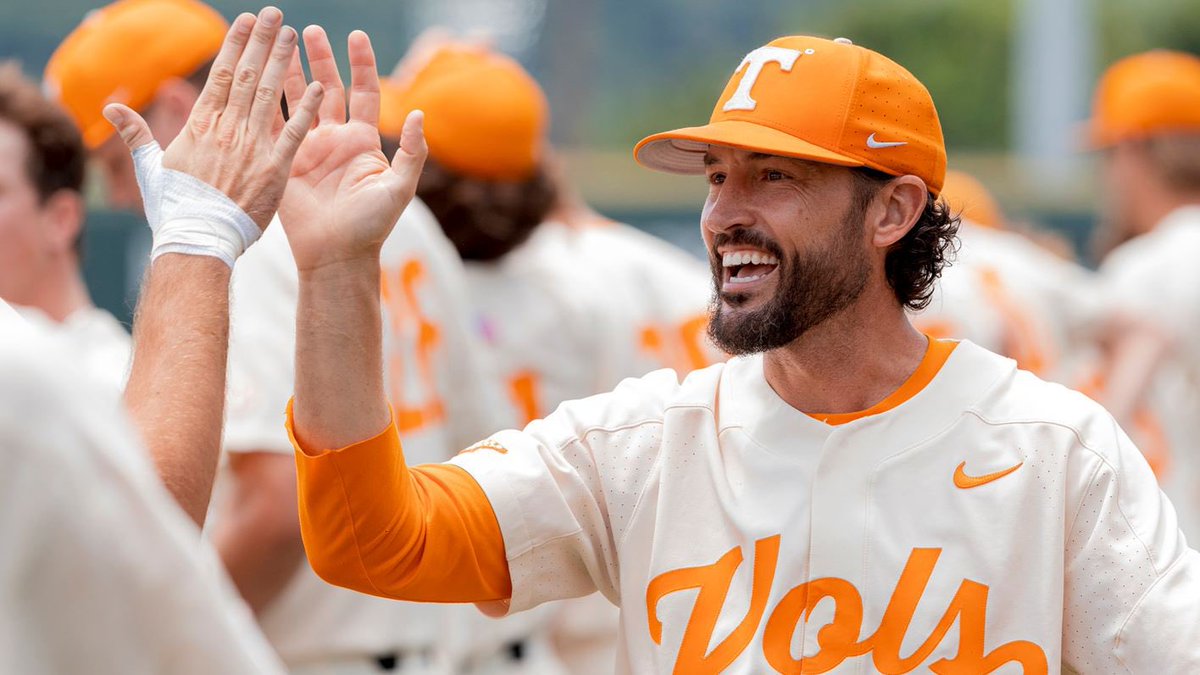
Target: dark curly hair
484, 219
915, 262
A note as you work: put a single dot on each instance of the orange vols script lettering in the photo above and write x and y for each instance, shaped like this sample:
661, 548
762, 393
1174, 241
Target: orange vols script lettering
838, 640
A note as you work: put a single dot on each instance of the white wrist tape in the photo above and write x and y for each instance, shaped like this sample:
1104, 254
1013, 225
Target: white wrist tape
188, 215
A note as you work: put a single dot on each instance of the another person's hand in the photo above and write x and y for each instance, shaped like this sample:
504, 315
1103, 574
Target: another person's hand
235, 141
344, 198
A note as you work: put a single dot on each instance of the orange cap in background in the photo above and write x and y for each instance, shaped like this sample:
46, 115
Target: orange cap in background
822, 100
123, 53
485, 116
1145, 95
972, 201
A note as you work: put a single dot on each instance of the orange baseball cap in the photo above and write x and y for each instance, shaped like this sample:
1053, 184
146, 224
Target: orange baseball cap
823, 100
1146, 95
972, 201
123, 53
485, 116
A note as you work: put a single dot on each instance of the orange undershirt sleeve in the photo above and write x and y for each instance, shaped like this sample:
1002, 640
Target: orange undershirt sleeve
373, 525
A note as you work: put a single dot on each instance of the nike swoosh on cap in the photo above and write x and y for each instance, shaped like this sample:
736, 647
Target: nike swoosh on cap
872, 143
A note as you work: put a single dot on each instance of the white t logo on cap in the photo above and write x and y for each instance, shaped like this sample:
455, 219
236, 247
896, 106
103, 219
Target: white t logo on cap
753, 63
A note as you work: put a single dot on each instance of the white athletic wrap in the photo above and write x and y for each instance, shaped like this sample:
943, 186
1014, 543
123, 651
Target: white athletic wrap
188, 215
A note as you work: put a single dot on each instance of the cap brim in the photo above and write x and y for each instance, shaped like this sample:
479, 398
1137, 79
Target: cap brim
682, 150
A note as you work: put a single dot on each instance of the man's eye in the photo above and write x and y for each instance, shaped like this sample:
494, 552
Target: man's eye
772, 174
716, 178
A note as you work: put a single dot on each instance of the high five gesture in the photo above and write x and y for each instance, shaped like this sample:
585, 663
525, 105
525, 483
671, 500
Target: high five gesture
343, 197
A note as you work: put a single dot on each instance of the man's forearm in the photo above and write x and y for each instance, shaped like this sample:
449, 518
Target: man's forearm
176, 389
339, 397
261, 567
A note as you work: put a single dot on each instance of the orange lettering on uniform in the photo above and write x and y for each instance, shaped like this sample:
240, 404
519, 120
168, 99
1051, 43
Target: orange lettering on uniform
714, 581
685, 351
406, 317
693, 331
524, 390
838, 640
969, 606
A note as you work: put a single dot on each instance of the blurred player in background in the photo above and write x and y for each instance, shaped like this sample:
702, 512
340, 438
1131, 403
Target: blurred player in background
42, 217
151, 55
556, 330
102, 572
1007, 293
570, 302
1146, 126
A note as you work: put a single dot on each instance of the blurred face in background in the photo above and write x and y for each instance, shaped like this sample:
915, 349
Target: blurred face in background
166, 116
787, 246
1123, 176
34, 232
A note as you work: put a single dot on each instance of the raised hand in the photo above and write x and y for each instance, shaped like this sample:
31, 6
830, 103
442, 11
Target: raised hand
235, 140
344, 197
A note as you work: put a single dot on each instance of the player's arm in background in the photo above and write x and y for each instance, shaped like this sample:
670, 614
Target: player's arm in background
176, 387
256, 526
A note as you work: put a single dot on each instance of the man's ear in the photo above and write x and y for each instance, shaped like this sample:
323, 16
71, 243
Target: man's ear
62, 220
897, 207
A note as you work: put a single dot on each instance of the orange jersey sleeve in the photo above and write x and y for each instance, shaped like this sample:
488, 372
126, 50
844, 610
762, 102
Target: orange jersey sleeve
373, 525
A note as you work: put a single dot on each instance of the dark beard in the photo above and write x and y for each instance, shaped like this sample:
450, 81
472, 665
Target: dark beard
811, 289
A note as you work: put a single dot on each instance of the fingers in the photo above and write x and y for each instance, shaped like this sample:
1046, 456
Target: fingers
364, 80
324, 70
250, 66
130, 125
294, 84
266, 100
410, 157
220, 76
299, 124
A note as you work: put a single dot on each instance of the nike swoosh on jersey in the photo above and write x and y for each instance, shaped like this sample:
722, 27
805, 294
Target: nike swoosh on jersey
965, 482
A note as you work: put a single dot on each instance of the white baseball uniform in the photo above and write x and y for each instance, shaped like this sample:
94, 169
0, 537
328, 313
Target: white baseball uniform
101, 344
101, 572
442, 393
1155, 277
988, 521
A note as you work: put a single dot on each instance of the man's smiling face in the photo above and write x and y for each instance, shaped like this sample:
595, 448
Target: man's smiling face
786, 243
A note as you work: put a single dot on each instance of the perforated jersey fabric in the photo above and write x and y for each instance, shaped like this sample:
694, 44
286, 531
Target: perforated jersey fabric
992, 520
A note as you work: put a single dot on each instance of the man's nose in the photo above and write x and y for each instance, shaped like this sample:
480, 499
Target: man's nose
727, 210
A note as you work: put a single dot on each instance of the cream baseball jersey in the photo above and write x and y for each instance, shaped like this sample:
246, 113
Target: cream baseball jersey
979, 520
1006, 293
575, 310
443, 395
102, 345
1155, 277
662, 291
550, 329
101, 572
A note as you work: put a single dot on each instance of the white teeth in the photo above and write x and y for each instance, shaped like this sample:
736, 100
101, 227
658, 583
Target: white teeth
745, 280
736, 258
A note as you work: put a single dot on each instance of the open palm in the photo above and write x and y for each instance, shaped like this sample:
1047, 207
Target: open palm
343, 197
